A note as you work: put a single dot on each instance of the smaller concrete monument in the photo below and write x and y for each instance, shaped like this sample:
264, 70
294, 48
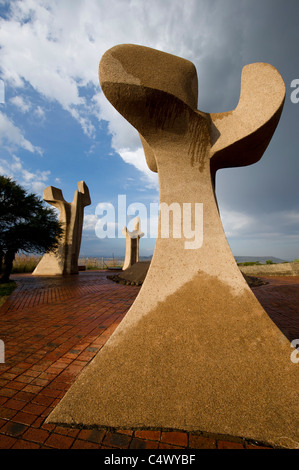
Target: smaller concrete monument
132, 244
65, 259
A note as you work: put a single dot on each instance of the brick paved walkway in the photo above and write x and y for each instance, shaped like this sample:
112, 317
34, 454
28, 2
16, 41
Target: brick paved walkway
280, 299
53, 327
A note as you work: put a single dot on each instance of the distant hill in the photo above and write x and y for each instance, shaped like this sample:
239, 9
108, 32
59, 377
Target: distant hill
261, 259
240, 259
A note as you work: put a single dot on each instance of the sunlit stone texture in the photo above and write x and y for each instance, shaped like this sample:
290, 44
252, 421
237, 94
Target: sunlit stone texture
196, 351
65, 259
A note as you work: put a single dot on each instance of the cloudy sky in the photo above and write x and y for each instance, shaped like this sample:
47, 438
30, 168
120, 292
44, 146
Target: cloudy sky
57, 128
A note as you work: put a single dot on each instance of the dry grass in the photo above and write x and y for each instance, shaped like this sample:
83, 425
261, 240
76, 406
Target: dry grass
25, 263
101, 263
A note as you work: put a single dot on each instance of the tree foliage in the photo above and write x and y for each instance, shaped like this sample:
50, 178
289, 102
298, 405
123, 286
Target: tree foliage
25, 224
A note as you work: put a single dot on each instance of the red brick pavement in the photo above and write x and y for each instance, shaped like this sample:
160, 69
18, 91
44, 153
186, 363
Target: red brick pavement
53, 327
280, 299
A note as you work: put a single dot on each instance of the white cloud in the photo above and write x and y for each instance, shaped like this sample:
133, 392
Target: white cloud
24, 106
32, 181
89, 221
278, 225
236, 223
87, 126
12, 138
123, 134
27, 175
137, 159
16, 165
56, 46
37, 187
39, 112
291, 217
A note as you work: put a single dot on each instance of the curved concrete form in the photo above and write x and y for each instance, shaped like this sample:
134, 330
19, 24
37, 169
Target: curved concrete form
196, 351
65, 259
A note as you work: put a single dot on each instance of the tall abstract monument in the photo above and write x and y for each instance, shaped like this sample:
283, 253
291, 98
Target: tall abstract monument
196, 351
132, 244
65, 259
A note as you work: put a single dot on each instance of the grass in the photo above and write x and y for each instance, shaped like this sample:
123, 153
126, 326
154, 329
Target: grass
101, 263
6, 290
25, 263
249, 263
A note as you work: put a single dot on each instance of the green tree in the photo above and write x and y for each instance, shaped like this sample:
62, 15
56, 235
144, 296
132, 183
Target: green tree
25, 225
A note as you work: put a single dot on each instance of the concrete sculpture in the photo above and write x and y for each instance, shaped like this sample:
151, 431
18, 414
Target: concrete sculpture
65, 259
132, 244
196, 351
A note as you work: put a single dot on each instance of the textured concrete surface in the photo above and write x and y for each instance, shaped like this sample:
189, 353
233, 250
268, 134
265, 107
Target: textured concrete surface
65, 259
279, 269
134, 275
196, 351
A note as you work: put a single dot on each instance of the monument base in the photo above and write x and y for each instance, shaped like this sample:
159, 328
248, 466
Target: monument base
205, 366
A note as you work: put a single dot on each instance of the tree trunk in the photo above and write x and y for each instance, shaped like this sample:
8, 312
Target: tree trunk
1, 259
8, 261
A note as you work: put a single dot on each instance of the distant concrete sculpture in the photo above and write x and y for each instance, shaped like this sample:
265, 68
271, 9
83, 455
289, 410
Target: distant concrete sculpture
196, 351
65, 259
132, 244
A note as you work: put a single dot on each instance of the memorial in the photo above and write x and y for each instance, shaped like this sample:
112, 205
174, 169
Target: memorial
196, 351
132, 244
64, 260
